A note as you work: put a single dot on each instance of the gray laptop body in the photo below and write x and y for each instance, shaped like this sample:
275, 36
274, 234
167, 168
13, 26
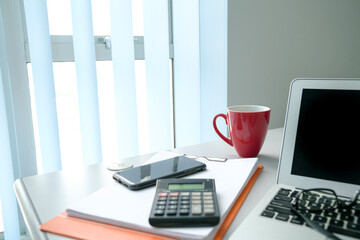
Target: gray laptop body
320, 149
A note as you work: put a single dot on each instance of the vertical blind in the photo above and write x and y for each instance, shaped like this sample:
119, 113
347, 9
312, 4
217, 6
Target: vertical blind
178, 112
123, 59
186, 37
8, 200
213, 64
156, 40
41, 59
84, 53
7, 194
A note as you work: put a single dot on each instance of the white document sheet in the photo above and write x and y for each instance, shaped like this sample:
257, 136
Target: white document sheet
115, 204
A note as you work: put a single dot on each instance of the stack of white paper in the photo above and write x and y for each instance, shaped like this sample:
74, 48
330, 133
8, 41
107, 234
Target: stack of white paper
117, 205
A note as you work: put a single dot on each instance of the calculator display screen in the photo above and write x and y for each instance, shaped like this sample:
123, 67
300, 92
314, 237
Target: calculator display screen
186, 186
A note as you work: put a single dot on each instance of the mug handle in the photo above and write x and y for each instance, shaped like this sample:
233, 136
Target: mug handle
227, 140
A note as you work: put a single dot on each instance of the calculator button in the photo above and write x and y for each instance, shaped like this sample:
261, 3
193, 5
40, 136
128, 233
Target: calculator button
173, 198
208, 198
207, 193
160, 207
159, 212
171, 212
198, 202
162, 194
184, 194
184, 212
184, 198
208, 205
160, 202
208, 202
187, 202
172, 207
196, 198
172, 202
184, 206
209, 211
196, 194
196, 209
174, 194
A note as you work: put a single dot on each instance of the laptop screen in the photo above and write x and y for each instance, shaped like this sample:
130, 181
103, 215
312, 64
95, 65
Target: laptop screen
328, 136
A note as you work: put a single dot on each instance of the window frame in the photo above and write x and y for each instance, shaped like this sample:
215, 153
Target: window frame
63, 50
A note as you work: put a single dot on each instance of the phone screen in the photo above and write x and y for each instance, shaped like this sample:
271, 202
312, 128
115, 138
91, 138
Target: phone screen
147, 175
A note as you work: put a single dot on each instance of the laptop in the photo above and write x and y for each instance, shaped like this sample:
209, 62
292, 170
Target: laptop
320, 149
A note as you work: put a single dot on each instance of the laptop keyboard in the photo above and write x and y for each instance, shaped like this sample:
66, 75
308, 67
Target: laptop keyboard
342, 221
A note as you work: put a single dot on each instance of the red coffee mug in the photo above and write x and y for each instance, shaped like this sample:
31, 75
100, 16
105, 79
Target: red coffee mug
248, 126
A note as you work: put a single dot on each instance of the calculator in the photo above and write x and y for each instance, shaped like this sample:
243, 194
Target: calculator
185, 203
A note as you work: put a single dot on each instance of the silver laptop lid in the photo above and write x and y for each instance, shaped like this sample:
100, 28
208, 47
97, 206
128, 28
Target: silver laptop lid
321, 141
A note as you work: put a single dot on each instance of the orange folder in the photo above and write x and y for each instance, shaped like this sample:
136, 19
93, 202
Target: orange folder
86, 229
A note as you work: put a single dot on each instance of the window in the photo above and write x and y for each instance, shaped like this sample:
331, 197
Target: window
64, 69
193, 77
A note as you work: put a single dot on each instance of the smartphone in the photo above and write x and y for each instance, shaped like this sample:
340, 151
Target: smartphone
146, 175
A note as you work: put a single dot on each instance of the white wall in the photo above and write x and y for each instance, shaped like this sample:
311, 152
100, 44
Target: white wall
271, 42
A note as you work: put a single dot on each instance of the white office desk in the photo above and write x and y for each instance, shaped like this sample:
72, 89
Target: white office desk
43, 197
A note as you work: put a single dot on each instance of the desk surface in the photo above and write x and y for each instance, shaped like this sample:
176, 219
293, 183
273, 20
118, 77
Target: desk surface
43, 197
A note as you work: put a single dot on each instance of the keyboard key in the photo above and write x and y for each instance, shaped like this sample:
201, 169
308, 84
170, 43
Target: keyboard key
281, 204
283, 198
308, 215
267, 214
347, 218
331, 214
353, 226
320, 219
348, 232
336, 222
293, 194
297, 220
314, 205
282, 217
284, 192
345, 211
309, 198
279, 210
318, 223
